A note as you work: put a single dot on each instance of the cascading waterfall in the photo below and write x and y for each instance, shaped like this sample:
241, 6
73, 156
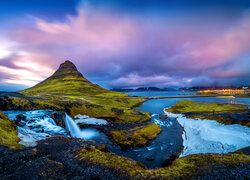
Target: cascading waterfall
72, 127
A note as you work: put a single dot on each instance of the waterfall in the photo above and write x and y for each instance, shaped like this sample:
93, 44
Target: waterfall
72, 127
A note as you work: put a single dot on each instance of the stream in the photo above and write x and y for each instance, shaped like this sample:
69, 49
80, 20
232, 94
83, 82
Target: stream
199, 136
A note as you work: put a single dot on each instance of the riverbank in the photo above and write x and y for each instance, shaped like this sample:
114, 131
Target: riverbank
222, 113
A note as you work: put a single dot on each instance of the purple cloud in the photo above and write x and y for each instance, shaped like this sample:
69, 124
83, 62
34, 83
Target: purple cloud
128, 51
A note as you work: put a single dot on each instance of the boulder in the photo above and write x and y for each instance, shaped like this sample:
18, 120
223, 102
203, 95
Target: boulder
20, 117
163, 116
20, 124
150, 158
59, 118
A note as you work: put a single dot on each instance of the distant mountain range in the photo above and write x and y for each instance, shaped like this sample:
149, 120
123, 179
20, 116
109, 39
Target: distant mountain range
199, 88
195, 88
144, 89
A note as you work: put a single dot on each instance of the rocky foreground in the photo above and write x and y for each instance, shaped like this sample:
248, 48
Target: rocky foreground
61, 157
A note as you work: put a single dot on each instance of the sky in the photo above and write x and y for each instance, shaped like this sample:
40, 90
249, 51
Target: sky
127, 43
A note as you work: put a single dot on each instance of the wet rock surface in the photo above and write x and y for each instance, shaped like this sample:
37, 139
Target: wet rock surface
59, 118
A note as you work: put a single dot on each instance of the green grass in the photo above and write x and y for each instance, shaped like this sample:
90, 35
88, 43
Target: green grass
110, 160
192, 106
67, 80
8, 133
138, 136
103, 107
184, 167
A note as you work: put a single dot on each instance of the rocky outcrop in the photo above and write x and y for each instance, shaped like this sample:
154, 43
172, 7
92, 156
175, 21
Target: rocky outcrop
59, 118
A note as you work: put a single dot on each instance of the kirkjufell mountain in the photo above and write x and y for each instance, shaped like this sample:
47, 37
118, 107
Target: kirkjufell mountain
66, 80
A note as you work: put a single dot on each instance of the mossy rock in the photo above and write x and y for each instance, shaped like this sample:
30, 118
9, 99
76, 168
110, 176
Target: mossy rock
195, 166
138, 136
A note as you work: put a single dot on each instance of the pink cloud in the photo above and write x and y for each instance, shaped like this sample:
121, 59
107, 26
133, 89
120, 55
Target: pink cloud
129, 51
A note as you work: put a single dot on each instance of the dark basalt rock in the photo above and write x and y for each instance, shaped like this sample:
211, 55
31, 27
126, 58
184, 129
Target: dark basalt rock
150, 158
171, 159
163, 116
55, 158
52, 158
18, 123
20, 117
59, 118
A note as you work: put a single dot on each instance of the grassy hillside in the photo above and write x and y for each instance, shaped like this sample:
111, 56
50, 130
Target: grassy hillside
8, 133
67, 89
67, 80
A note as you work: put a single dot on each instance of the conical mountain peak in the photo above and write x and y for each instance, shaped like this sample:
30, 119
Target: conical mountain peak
67, 65
66, 80
67, 69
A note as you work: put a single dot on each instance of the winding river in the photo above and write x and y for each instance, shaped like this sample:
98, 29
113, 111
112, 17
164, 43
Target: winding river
196, 136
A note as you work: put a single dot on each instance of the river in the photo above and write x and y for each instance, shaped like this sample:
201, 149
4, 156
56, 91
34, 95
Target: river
199, 136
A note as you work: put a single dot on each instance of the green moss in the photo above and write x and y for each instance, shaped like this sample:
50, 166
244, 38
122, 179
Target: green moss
8, 133
138, 136
110, 160
184, 167
39, 104
193, 164
20, 102
103, 107
192, 106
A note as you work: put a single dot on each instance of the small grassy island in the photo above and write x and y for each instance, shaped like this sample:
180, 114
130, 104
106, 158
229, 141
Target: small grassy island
222, 113
138, 136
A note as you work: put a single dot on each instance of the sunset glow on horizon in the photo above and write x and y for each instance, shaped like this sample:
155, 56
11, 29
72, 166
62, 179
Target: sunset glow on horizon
126, 44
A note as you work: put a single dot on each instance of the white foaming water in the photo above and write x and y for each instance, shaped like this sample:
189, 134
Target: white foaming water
75, 130
72, 127
37, 125
209, 136
87, 120
29, 138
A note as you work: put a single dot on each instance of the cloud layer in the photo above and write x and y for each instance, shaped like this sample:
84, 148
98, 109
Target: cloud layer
129, 50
